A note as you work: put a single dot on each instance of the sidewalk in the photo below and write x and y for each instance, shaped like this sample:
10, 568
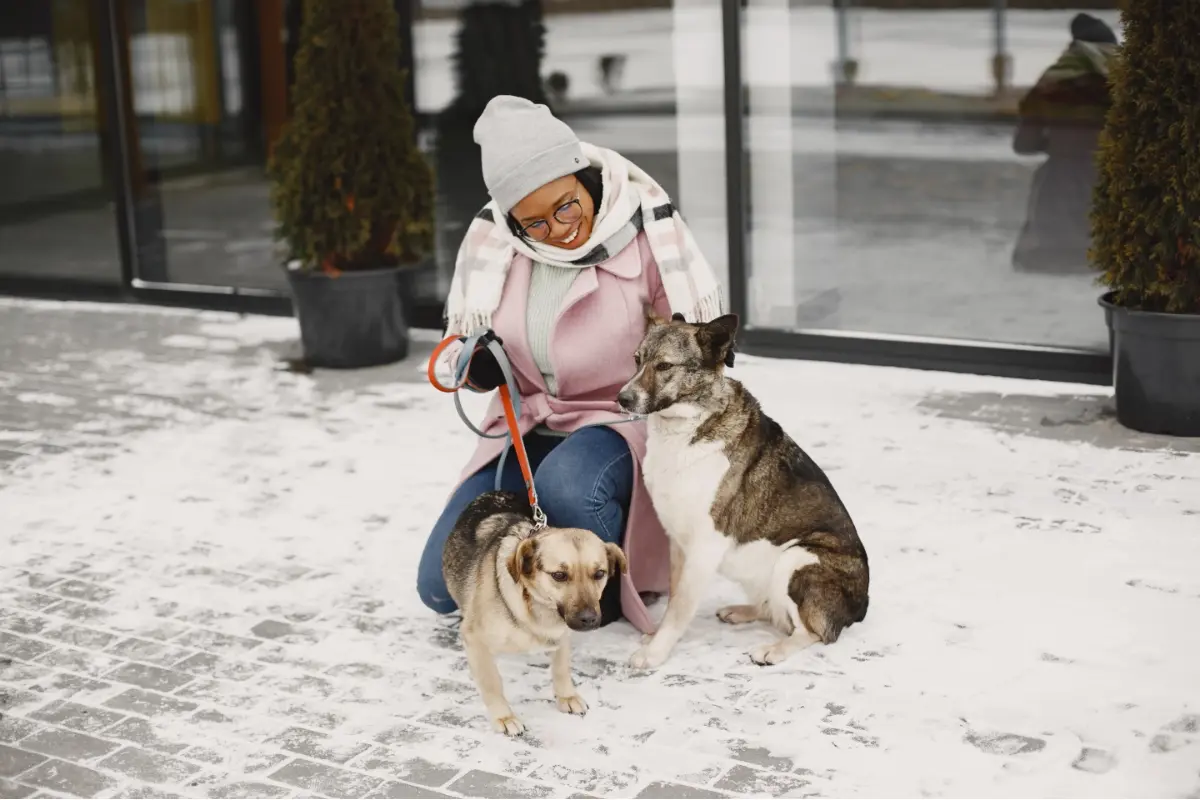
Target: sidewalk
207, 568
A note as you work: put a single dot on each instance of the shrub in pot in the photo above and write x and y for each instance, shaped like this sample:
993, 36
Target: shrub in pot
352, 194
1146, 218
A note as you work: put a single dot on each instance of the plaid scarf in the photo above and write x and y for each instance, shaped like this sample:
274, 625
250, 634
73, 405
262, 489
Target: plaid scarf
633, 203
1074, 89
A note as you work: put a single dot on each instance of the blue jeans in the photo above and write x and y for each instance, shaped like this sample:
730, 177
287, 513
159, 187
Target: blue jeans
583, 480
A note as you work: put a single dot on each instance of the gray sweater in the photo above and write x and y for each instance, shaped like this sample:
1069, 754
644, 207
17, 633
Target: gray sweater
548, 287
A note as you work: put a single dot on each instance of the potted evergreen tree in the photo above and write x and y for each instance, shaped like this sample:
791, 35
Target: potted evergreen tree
352, 194
1146, 218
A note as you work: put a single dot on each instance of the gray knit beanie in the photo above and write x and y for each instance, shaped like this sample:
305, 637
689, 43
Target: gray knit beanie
523, 147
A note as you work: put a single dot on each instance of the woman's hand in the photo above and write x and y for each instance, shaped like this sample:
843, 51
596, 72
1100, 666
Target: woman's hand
485, 373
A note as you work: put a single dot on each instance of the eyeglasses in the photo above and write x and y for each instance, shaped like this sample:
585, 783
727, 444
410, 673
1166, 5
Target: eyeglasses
567, 214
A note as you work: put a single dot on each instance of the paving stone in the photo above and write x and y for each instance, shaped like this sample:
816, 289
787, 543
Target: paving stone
405, 734
324, 779
22, 648
18, 699
229, 695
143, 732
676, 790
149, 677
248, 789
13, 761
219, 577
144, 793
22, 622
594, 780
14, 728
318, 745
12, 789
61, 776
150, 767
22, 673
410, 770
78, 636
742, 780
158, 630
67, 745
249, 759
80, 612
215, 666
82, 661
63, 685
216, 642
82, 590
477, 783
148, 652
305, 713
37, 580
150, 704
406, 790
33, 601
287, 632
77, 717
312, 686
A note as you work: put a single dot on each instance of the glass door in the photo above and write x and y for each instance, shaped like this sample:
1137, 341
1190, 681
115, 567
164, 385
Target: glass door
196, 73
57, 209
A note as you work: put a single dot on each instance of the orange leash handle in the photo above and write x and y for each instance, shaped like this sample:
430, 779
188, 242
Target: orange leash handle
431, 372
510, 416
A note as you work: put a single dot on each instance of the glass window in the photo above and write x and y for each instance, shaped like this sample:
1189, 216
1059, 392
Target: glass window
57, 216
924, 171
643, 77
206, 79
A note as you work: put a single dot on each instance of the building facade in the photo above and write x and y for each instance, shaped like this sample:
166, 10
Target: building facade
859, 172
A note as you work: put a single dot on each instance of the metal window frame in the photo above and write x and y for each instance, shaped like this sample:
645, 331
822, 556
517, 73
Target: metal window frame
857, 347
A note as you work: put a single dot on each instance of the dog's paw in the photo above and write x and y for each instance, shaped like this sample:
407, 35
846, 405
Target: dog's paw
738, 615
572, 705
647, 657
766, 654
509, 726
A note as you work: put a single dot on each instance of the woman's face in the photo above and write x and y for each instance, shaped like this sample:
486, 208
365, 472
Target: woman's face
541, 213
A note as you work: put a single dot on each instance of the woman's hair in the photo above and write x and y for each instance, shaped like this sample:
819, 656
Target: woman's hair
592, 182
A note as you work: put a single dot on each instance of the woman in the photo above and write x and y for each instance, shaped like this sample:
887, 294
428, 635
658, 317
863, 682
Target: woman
561, 264
1062, 116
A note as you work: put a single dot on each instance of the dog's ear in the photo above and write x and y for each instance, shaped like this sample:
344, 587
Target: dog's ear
653, 319
523, 557
617, 565
717, 338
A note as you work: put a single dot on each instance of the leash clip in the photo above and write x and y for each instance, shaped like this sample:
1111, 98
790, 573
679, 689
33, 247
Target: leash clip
539, 517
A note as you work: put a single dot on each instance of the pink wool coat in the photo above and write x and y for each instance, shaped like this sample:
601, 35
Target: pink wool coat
592, 343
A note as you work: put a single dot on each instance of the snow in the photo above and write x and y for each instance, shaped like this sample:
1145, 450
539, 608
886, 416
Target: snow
1034, 614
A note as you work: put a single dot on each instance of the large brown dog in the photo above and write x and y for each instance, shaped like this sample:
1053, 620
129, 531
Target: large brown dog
523, 590
737, 496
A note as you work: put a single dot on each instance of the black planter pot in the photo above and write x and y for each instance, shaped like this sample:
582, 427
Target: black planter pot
1156, 369
354, 320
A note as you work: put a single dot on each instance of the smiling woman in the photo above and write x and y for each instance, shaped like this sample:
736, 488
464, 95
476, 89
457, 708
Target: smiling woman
575, 243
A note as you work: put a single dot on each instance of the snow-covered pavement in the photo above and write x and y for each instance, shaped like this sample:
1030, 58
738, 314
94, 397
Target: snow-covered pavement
207, 567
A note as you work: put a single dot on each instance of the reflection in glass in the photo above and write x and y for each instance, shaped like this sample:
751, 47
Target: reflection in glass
57, 218
643, 77
200, 197
908, 194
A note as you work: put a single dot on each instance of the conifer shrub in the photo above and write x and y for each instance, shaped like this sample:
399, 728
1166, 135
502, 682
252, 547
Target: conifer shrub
1146, 202
351, 190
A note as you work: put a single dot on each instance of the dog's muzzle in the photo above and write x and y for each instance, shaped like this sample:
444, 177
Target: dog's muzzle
585, 620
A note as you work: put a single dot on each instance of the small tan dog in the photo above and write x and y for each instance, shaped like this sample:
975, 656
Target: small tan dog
522, 590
